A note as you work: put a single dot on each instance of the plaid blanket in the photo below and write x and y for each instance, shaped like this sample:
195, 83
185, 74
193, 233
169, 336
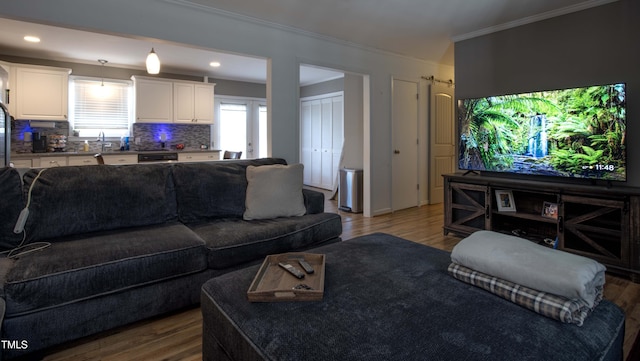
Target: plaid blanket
557, 307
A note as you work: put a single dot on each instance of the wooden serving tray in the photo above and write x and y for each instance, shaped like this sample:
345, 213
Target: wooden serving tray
273, 284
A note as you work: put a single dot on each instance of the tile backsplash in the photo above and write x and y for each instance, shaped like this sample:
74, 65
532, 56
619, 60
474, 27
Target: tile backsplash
149, 135
20, 127
191, 135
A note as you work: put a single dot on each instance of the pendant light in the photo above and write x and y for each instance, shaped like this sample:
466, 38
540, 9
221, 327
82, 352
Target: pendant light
102, 61
100, 91
153, 62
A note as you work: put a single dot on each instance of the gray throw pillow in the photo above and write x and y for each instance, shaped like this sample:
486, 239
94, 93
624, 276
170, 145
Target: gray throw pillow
274, 191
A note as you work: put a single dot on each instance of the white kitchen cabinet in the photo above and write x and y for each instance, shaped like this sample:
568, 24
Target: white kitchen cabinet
193, 102
120, 158
49, 162
82, 160
21, 163
40, 92
6, 79
321, 139
198, 157
154, 100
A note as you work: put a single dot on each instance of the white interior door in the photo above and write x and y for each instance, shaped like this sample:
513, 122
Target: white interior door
405, 145
442, 140
306, 151
321, 138
316, 143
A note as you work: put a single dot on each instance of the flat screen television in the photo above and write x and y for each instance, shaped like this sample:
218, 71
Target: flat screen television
577, 132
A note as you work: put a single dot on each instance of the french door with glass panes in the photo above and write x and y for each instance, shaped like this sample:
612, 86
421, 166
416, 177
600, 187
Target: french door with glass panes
241, 126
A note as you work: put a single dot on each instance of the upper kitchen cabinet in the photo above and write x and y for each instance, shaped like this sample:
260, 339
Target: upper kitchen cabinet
5, 75
154, 100
167, 101
40, 93
193, 102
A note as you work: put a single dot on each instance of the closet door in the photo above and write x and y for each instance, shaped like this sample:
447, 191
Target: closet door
305, 140
321, 137
316, 143
326, 144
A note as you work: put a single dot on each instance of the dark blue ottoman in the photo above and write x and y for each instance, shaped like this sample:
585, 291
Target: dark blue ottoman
387, 298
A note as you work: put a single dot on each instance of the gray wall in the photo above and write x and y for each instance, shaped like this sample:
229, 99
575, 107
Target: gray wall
240, 89
595, 46
326, 87
353, 122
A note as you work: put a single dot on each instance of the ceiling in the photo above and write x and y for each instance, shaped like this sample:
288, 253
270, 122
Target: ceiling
69, 45
423, 29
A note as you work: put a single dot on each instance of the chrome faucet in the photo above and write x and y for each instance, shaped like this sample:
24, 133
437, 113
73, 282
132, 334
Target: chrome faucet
101, 139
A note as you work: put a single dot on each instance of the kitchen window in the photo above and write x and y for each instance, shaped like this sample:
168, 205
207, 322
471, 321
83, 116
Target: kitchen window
98, 105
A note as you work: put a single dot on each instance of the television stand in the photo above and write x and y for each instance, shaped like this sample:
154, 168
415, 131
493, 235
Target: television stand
598, 222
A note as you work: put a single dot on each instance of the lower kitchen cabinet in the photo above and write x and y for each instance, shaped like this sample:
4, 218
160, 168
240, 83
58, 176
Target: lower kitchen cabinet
120, 158
22, 163
109, 158
48, 162
82, 160
198, 157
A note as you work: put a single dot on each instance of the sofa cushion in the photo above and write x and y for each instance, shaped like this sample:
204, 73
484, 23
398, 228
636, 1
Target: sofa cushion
313, 201
96, 264
274, 191
213, 189
235, 241
76, 200
10, 207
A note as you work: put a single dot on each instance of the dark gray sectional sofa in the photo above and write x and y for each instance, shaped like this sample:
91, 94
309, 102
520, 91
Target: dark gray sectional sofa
123, 243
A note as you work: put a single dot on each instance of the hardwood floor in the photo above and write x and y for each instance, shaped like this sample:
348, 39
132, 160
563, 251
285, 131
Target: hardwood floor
178, 336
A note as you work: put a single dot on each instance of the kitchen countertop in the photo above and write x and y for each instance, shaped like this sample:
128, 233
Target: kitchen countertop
115, 152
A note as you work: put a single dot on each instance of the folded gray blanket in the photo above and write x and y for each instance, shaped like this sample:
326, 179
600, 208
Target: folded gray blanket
531, 265
559, 308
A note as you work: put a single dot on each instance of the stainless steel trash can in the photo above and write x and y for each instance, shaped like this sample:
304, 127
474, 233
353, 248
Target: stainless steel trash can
350, 190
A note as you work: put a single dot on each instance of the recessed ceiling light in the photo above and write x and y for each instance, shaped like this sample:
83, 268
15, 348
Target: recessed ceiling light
214, 64
32, 39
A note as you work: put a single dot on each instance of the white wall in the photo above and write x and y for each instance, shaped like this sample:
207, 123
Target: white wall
179, 21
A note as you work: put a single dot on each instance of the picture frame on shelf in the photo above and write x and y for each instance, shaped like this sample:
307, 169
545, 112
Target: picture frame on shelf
505, 201
550, 210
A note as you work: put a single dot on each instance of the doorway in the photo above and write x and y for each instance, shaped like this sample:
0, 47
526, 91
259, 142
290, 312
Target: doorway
318, 80
404, 178
241, 126
322, 102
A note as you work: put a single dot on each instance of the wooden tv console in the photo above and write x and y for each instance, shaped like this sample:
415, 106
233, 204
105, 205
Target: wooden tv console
595, 221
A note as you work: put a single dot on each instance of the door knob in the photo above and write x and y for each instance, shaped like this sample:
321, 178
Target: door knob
396, 151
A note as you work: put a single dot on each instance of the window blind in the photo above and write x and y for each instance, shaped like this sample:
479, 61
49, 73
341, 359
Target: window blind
100, 106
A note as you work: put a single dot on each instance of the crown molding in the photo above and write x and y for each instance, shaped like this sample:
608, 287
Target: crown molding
294, 30
532, 19
269, 24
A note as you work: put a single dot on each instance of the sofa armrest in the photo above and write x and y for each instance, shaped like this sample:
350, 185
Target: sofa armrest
313, 201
